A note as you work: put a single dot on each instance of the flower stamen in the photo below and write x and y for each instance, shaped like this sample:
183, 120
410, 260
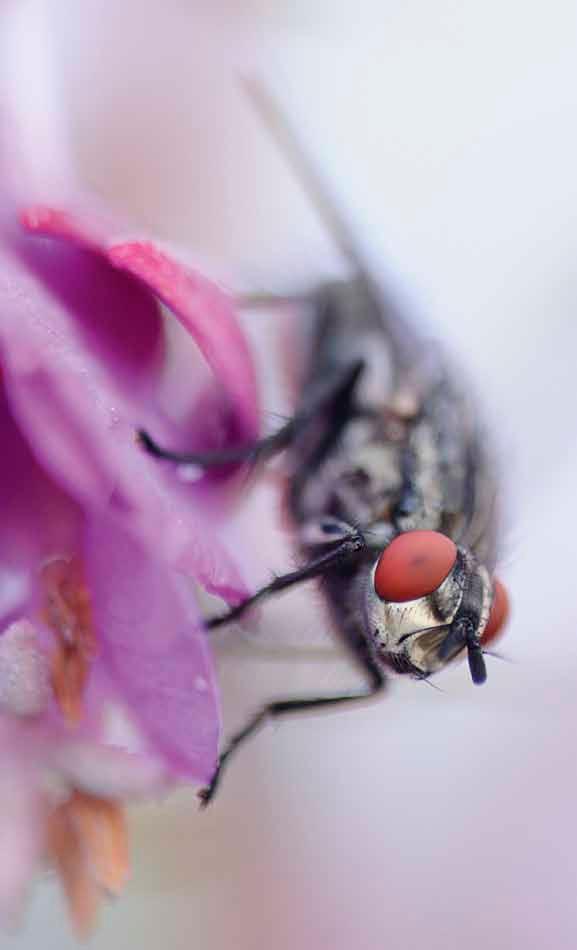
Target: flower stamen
87, 842
68, 613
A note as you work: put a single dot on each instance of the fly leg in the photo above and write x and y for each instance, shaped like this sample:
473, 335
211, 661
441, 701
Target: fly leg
334, 392
376, 682
259, 451
353, 545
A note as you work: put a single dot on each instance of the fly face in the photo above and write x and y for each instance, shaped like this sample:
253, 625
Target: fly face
427, 601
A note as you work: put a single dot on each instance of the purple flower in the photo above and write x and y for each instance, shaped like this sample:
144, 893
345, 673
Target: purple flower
99, 544
85, 365
81, 349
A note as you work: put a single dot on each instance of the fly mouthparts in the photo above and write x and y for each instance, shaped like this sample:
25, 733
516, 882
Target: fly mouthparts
463, 635
455, 640
477, 667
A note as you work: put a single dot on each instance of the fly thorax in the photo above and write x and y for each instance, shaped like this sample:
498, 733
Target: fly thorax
367, 489
376, 384
420, 506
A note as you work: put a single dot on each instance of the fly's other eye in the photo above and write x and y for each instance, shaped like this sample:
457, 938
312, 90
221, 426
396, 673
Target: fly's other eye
413, 565
499, 614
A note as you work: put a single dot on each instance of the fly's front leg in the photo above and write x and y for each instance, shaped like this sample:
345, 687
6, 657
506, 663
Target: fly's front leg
329, 393
259, 451
376, 682
353, 545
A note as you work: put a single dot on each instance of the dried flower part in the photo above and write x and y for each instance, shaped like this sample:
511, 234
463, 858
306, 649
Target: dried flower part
68, 613
66, 853
102, 826
87, 843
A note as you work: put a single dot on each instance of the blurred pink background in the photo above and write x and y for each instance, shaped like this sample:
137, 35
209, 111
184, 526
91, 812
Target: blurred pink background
438, 819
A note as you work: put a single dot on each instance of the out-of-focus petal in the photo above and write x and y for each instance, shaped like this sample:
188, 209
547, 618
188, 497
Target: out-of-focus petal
154, 650
111, 315
109, 772
21, 824
34, 145
207, 313
78, 428
82, 342
38, 518
21, 838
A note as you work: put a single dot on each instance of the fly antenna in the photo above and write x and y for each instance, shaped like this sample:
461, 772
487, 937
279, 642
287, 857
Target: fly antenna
303, 168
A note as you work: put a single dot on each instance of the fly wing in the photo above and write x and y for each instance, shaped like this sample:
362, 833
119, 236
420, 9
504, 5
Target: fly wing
481, 517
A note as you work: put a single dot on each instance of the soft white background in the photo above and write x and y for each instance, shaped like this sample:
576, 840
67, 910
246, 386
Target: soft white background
447, 130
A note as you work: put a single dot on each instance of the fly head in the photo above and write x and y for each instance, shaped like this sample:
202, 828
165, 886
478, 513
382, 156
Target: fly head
428, 601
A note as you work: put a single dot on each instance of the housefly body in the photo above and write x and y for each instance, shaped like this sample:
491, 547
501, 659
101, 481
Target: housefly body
392, 492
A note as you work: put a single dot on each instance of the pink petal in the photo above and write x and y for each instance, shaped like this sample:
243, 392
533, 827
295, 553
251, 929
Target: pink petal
109, 772
204, 310
80, 429
117, 320
153, 649
207, 313
21, 823
38, 518
21, 827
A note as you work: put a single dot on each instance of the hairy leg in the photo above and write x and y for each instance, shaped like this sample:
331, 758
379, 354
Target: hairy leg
351, 546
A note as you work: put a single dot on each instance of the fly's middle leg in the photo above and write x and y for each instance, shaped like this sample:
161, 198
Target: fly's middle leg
376, 682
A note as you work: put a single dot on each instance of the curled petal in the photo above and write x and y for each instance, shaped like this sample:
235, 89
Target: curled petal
204, 310
207, 313
116, 318
82, 432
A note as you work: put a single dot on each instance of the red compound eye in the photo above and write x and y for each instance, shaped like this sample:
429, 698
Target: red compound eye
413, 565
499, 614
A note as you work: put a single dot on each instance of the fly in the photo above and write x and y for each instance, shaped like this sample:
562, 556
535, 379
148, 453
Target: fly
392, 492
